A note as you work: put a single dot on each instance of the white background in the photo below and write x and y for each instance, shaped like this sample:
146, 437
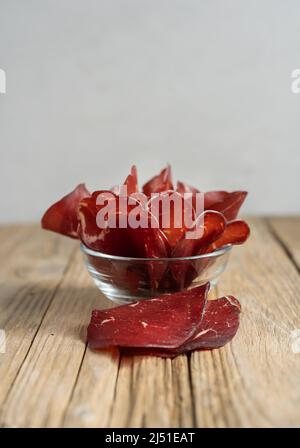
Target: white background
96, 85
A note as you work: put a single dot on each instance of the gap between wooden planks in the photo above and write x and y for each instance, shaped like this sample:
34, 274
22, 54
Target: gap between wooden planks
51, 379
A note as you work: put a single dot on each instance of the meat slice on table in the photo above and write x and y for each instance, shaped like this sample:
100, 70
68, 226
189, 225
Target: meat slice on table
218, 326
166, 322
168, 325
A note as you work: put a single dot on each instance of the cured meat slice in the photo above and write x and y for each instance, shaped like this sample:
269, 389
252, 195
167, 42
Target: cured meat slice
182, 187
151, 243
214, 225
218, 326
184, 271
94, 237
132, 181
61, 217
224, 202
126, 242
165, 321
236, 232
214, 197
139, 242
170, 208
159, 183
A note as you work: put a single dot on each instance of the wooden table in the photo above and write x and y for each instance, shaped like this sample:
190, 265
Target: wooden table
49, 378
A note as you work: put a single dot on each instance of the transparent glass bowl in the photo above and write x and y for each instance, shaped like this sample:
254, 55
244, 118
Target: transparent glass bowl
126, 279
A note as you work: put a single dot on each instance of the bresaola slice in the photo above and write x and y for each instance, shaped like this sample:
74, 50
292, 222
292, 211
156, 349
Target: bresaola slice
159, 183
131, 181
212, 228
183, 187
166, 321
225, 202
184, 272
107, 240
151, 243
218, 326
62, 217
171, 217
236, 232
168, 325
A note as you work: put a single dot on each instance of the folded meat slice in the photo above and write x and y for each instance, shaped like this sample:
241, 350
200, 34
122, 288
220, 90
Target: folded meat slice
183, 272
160, 182
105, 240
218, 326
228, 203
166, 321
61, 217
131, 181
150, 243
169, 210
212, 227
182, 188
236, 232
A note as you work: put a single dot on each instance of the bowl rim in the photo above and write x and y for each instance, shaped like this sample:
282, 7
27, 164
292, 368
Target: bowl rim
216, 253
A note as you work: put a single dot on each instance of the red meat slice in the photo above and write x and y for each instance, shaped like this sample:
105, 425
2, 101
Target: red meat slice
214, 225
61, 217
184, 272
219, 325
150, 243
159, 183
236, 232
182, 187
224, 202
214, 197
132, 182
98, 239
166, 321
170, 208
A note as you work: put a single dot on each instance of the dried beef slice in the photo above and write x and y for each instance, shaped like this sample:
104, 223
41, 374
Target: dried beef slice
166, 321
62, 217
168, 325
218, 326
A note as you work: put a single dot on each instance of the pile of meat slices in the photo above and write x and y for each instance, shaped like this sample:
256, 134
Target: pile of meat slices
75, 216
168, 325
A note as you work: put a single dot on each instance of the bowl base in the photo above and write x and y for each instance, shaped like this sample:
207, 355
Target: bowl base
124, 297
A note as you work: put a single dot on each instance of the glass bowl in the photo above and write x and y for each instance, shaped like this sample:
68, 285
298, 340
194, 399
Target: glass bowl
126, 279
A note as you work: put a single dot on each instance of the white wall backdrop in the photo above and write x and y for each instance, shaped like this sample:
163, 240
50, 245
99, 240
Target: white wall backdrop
96, 85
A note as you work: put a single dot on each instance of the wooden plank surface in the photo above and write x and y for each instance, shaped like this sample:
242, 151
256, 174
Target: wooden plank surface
32, 265
50, 378
287, 233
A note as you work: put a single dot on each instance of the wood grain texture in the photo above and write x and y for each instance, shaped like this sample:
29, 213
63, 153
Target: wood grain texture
32, 264
287, 233
46, 379
265, 371
49, 378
